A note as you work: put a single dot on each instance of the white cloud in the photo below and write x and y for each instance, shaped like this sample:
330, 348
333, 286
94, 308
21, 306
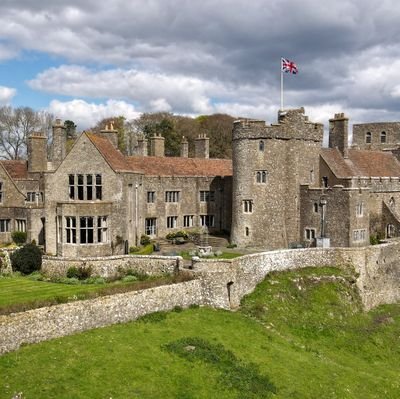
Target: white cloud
6, 94
86, 115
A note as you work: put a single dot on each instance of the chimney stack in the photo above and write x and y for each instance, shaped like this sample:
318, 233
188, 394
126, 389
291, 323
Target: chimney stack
110, 133
37, 153
59, 143
157, 145
339, 134
202, 146
184, 148
142, 147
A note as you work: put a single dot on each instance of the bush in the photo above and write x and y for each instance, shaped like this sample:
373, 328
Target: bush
81, 273
19, 237
27, 259
177, 234
134, 249
145, 240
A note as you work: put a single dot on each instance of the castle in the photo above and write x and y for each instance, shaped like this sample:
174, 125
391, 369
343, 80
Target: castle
282, 188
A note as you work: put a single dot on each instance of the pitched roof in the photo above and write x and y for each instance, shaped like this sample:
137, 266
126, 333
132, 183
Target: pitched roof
113, 156
174, 166
361, 163
17, 169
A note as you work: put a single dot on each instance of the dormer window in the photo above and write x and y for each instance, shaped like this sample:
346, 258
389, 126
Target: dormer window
368, 138
383, 137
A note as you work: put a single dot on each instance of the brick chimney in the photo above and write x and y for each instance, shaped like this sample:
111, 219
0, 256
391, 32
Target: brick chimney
37, 153
339, 134
110, 133
184, 147
202, 146
157, 145
59, 143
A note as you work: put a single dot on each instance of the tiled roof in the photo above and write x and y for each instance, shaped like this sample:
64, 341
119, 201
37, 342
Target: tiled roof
114, 157
17, 169
361, 163
173, 166
160, 166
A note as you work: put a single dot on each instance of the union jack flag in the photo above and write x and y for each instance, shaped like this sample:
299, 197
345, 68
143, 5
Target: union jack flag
289, 66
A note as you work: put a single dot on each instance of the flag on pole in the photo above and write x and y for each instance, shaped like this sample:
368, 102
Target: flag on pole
289, 66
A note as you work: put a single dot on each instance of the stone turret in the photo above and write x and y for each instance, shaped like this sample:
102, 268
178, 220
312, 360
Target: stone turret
339, 134
37, 153
59, 143
202, 146
110, 133
184, 148
157, 145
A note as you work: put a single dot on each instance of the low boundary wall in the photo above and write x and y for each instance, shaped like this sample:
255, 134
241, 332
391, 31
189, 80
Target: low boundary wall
112, 266
57, 321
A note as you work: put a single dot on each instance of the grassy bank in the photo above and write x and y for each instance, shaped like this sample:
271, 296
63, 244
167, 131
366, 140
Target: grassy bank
299, 335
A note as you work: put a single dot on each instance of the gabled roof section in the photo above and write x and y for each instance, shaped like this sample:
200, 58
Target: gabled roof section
113, 156
17, 169
174, 166
361, 163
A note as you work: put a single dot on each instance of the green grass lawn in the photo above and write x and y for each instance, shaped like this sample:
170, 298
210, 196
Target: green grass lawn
300, 335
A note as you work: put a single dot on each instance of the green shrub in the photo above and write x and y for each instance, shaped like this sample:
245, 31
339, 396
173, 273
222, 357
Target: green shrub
231, 246
19, 237
81, 273
177, 234
27, 259
129, 279
134, 249
145, 240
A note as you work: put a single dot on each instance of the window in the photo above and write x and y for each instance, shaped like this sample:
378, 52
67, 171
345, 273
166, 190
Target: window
102, 229
247, 231
359, 235
172, 196
247, 206
392, 202
85, 187
150, 226
151, 197
1, 192
390, 231
315, 207
20, 225
70, 229
360, 209
172, 222
325, 181
4, 225
32, 196
368, 138
261, 145
383, 137
86, 229
261, 176
207, 196
309, 234
188, 221
207, 220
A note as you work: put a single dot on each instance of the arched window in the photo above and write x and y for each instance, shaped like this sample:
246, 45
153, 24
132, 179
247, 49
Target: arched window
261, 145
383, 137
263, 176
368, 138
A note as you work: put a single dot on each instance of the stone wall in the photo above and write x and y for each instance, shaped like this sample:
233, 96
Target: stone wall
111, 266
57, 321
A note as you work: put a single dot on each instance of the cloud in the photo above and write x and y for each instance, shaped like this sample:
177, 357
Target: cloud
6, 94
86, 115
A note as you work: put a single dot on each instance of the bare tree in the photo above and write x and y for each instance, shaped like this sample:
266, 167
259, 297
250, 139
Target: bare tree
15, 126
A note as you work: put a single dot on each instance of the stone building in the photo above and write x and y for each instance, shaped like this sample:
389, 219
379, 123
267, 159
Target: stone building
281, 189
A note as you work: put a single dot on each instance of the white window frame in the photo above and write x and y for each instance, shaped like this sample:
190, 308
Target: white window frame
207, 220
20, 225
150, 226
172, 196
188, 220
172, 222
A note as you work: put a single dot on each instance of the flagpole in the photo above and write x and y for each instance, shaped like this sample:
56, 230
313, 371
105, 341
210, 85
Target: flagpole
281, 86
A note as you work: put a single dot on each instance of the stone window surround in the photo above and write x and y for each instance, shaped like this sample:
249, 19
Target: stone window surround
368, 138
207, 220
5, 225
151, 197
247, 206
85, 187
172, 222
188, 220
85, 230
20, 225
360, 209
172, 196
310, 233
359, 235
150, 226
383, 137
207, 196
261, 176
34, 196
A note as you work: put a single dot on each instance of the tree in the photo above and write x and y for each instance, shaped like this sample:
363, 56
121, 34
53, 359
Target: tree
70, 129
16, 124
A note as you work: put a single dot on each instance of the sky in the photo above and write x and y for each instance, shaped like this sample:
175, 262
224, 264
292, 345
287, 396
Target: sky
86, 60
